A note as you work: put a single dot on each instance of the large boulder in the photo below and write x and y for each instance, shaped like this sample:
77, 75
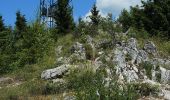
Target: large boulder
55, 72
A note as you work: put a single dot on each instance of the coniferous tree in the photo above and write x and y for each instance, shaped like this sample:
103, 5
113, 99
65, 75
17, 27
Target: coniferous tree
3, 35
125, 19
153, 16
63, 16
2, 27
20, 22
95, 17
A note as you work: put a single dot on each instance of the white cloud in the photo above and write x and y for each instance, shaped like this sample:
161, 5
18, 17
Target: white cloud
113, 6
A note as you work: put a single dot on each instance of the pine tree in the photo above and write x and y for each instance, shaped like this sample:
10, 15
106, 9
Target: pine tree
63, 16
95, 17
2, 27
4, 36
125, 19
20, 22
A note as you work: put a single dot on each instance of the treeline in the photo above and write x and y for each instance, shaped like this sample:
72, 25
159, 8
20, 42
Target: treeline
153, 16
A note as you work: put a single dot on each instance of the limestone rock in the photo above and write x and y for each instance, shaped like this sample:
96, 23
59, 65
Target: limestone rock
132, 43
142, 57
77, 47
131, 75
150, 48
119, 59
55, 73
78, 51
165, 75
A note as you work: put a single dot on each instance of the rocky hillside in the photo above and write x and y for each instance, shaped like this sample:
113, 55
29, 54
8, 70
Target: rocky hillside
94, 67
124, 61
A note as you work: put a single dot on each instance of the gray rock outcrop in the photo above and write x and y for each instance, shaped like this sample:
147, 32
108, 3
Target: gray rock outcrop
150, 48
55, 72
78, 51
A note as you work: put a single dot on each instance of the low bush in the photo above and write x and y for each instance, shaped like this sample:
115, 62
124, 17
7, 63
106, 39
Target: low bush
90, 85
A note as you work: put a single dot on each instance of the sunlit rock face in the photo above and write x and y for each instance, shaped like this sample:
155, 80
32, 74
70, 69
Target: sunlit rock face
55, 72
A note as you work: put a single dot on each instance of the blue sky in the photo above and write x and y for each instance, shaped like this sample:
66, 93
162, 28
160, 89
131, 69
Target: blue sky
30, 8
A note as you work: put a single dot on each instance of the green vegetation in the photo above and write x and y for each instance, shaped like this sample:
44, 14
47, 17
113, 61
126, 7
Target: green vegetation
148, 68
95, 18
29, 49
2, 27
63, 16
153, 16
91, 85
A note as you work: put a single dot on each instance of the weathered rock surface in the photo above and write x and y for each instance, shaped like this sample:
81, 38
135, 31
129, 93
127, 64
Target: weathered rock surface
142, 57
55, 73
126, 58
78, 51
150, 48
165, 75
77, 47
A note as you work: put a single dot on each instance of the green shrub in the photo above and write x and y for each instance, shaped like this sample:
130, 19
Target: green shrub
90, 85
136, 33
